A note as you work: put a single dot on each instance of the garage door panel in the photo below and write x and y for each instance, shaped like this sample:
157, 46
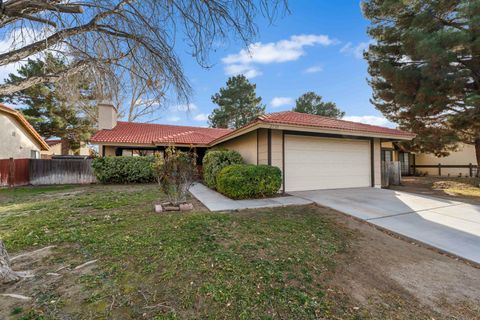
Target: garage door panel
326, 163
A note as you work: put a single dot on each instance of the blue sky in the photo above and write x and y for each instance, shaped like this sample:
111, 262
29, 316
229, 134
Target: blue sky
318, 47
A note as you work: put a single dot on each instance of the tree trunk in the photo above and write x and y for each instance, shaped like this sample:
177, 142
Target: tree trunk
477, 153
6, 273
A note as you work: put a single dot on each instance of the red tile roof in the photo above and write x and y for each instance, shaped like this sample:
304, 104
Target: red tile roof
21, 119
309, 120
52, 142
157, 134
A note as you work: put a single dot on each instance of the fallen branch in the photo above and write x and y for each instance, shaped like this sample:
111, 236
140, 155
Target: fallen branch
16, 296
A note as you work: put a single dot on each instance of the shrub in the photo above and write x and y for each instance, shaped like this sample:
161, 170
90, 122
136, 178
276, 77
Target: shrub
124, 169
175, 172
248, 181
216, 160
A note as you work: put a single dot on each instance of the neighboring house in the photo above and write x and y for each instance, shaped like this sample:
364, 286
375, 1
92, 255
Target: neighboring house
461, 162
56, 149
313, 152
18, 139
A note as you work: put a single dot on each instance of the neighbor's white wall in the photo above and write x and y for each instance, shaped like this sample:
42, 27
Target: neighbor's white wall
464, 156
15, 141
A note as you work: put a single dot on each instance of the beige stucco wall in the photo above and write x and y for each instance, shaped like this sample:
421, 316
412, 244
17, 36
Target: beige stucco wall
246, 145
262, 146
464, 156
15, 141
56, 149
377, 162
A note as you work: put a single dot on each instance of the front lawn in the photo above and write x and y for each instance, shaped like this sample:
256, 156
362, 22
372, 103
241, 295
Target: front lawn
283, 263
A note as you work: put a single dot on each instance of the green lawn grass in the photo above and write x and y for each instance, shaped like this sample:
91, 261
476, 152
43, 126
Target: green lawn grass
260, 264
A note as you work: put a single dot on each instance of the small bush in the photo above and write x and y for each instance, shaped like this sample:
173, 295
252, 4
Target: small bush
247, 181
175, 173
124, 169
216, 160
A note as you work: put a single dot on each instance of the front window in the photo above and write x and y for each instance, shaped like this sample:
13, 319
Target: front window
387, 155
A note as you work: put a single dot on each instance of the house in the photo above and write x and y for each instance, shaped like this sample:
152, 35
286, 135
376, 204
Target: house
462, 162
313, 152
18, 139
56, 149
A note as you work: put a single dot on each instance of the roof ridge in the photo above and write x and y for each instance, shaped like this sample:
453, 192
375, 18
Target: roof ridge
332, 119
172, 125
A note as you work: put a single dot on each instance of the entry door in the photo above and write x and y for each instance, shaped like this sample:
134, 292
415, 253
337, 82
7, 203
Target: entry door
326, 163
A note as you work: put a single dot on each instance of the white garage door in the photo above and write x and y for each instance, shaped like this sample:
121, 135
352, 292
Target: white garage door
326, 163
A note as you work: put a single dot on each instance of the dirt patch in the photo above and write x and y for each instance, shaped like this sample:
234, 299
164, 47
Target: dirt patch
51, 276
379, 266
460, 189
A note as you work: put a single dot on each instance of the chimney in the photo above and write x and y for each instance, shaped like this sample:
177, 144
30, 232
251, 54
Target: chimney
107, 115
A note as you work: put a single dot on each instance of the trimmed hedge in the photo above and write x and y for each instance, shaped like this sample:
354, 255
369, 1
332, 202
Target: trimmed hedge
124, 169
216, 160
247, 181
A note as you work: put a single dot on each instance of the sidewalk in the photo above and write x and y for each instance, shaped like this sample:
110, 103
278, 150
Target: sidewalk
215, 201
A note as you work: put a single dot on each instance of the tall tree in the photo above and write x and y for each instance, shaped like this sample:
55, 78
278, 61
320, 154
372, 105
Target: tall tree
312, 103
238, 104
425, 69
46, 109
103, 37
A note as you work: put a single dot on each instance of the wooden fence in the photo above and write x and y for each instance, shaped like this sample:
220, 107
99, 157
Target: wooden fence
391, 173
472, 169
18, 172
14, 172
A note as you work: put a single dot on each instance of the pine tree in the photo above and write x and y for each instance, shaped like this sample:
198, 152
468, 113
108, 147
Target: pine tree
425, 69
312, 103
45, 108
238, 104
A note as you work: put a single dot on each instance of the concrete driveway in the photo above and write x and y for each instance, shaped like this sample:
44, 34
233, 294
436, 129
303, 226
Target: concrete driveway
451, 226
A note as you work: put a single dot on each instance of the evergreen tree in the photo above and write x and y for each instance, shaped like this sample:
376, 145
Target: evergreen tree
45, 108
312, 103
425, 69
238, 104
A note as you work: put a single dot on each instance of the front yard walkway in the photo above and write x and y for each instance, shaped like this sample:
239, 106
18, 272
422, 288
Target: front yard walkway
215, 201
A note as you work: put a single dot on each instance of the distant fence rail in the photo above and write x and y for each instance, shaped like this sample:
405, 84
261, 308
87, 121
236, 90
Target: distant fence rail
472, 169
19, 172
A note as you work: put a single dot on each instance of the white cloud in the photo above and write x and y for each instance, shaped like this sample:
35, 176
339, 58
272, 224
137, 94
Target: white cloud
173, 119
185, 107
281, 51
373, 120
281, 101
356, 51
313, 69
201, 117
248, 71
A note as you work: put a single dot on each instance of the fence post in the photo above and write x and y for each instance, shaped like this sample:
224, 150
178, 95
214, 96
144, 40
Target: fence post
11, 172
439, 169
